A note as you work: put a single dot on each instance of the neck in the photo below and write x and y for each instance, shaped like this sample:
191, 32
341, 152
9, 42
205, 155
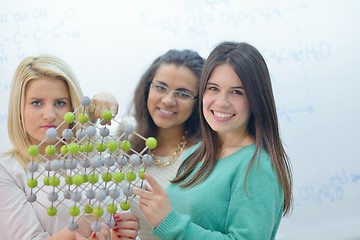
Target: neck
231, 145
235, 139
169, 140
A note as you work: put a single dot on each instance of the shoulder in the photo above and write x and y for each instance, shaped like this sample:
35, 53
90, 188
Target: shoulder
12, 171
244, 156
191, 149
245, 162
8, 162
254, 171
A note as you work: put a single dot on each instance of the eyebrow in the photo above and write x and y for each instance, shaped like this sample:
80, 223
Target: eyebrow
236, 87
177, 89
42, 99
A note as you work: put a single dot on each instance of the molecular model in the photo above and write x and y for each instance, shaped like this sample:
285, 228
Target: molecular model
93, 175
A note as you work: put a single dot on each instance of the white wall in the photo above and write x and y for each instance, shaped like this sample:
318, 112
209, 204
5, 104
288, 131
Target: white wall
311, 47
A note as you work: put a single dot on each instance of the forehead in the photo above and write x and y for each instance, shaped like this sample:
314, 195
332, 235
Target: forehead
224, 75
176, 76
43, 87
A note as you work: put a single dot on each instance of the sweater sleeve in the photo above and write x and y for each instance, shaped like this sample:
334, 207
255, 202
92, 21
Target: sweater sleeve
252, 214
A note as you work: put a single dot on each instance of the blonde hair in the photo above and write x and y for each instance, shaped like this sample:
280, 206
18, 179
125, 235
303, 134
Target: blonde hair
32, 68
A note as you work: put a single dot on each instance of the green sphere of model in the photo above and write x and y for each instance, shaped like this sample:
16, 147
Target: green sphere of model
46, 181
68, 180
73, 148
118, 177
111, 208
106, 115
85, 178
88, 209
51, 211
74, 211
54, 181
64, 150
98, 211
69, 117
125, 145
50, 150
106, 177
81, 148
130, 176
151, 142
33, 150
93, 178
77, 180
112, 145
83, 118
88, 147
141, 174
32, 183
125, 205
101, 147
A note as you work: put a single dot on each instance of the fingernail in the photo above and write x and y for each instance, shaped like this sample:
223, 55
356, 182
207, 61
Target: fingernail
116, 216
93, 235
116, 229
119, 236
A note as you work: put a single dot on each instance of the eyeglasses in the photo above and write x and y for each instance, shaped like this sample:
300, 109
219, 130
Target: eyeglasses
178, 94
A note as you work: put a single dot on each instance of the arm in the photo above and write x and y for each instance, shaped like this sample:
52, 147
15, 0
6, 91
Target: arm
251, 215
19, 219
154, 202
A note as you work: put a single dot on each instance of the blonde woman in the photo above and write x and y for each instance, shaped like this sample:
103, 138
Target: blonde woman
43, 89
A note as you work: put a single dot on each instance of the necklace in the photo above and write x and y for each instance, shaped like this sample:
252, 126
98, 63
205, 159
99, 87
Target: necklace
173, 158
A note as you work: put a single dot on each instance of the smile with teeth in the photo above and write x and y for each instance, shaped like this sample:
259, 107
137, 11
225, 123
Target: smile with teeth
223, 115
166, 112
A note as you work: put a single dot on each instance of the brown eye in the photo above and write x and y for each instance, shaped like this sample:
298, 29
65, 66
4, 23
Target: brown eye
237, 92
160, 88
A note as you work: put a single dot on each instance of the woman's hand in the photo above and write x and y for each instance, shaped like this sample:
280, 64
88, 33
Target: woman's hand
85, 229
154, 201
103, 234
126, 226
100, 102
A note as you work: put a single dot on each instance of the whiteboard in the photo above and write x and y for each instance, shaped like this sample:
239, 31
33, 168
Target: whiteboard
312, 49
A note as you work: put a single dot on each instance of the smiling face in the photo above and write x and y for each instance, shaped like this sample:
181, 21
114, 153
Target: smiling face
166, 110
225, 104
46, 102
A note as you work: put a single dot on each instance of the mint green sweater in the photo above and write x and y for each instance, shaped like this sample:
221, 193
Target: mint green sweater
220, 208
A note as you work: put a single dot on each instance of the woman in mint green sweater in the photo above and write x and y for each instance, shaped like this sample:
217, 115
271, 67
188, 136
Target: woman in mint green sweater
237, 182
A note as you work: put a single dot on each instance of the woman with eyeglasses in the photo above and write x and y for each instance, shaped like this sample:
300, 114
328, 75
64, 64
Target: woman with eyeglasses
166, 107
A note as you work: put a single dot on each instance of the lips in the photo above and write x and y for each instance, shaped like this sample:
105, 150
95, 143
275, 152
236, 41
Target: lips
166, 112
48, 126
222, 115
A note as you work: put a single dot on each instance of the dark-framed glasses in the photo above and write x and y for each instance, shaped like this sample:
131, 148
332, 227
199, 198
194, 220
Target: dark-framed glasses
178, 94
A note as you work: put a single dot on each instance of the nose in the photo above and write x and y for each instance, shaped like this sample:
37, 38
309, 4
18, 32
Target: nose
223, 100
169, 99
49, 113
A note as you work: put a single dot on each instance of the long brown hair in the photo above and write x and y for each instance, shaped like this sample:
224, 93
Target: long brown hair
251, 68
